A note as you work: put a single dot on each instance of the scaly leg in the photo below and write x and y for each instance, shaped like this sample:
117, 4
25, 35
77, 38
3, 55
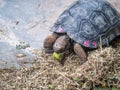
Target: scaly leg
49, 41
80, 52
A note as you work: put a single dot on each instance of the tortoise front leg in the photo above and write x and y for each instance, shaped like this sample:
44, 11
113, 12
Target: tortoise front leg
80, 52
49, 41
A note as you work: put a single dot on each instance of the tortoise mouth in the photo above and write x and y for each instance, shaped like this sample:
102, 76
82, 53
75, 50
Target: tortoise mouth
60, 51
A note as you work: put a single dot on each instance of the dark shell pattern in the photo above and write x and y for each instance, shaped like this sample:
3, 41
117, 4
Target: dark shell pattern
89, 22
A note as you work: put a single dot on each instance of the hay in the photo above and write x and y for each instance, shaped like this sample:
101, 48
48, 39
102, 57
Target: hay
100, 72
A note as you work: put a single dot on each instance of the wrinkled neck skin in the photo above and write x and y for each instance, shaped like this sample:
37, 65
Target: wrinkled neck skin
62, 44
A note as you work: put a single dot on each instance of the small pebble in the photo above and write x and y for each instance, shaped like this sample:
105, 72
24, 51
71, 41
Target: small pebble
20, 55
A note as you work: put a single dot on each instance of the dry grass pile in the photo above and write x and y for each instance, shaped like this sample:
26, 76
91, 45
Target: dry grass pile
100, 72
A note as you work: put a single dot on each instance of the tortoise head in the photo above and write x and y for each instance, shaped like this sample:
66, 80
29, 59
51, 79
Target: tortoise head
61, 44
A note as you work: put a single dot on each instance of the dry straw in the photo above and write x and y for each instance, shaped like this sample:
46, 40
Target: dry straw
102, 70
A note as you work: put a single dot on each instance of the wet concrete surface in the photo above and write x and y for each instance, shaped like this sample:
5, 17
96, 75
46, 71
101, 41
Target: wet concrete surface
23, 26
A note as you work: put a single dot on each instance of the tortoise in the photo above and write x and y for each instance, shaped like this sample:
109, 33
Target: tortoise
82, 26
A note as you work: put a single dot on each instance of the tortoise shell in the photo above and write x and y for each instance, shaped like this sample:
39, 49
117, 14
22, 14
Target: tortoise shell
88, 22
